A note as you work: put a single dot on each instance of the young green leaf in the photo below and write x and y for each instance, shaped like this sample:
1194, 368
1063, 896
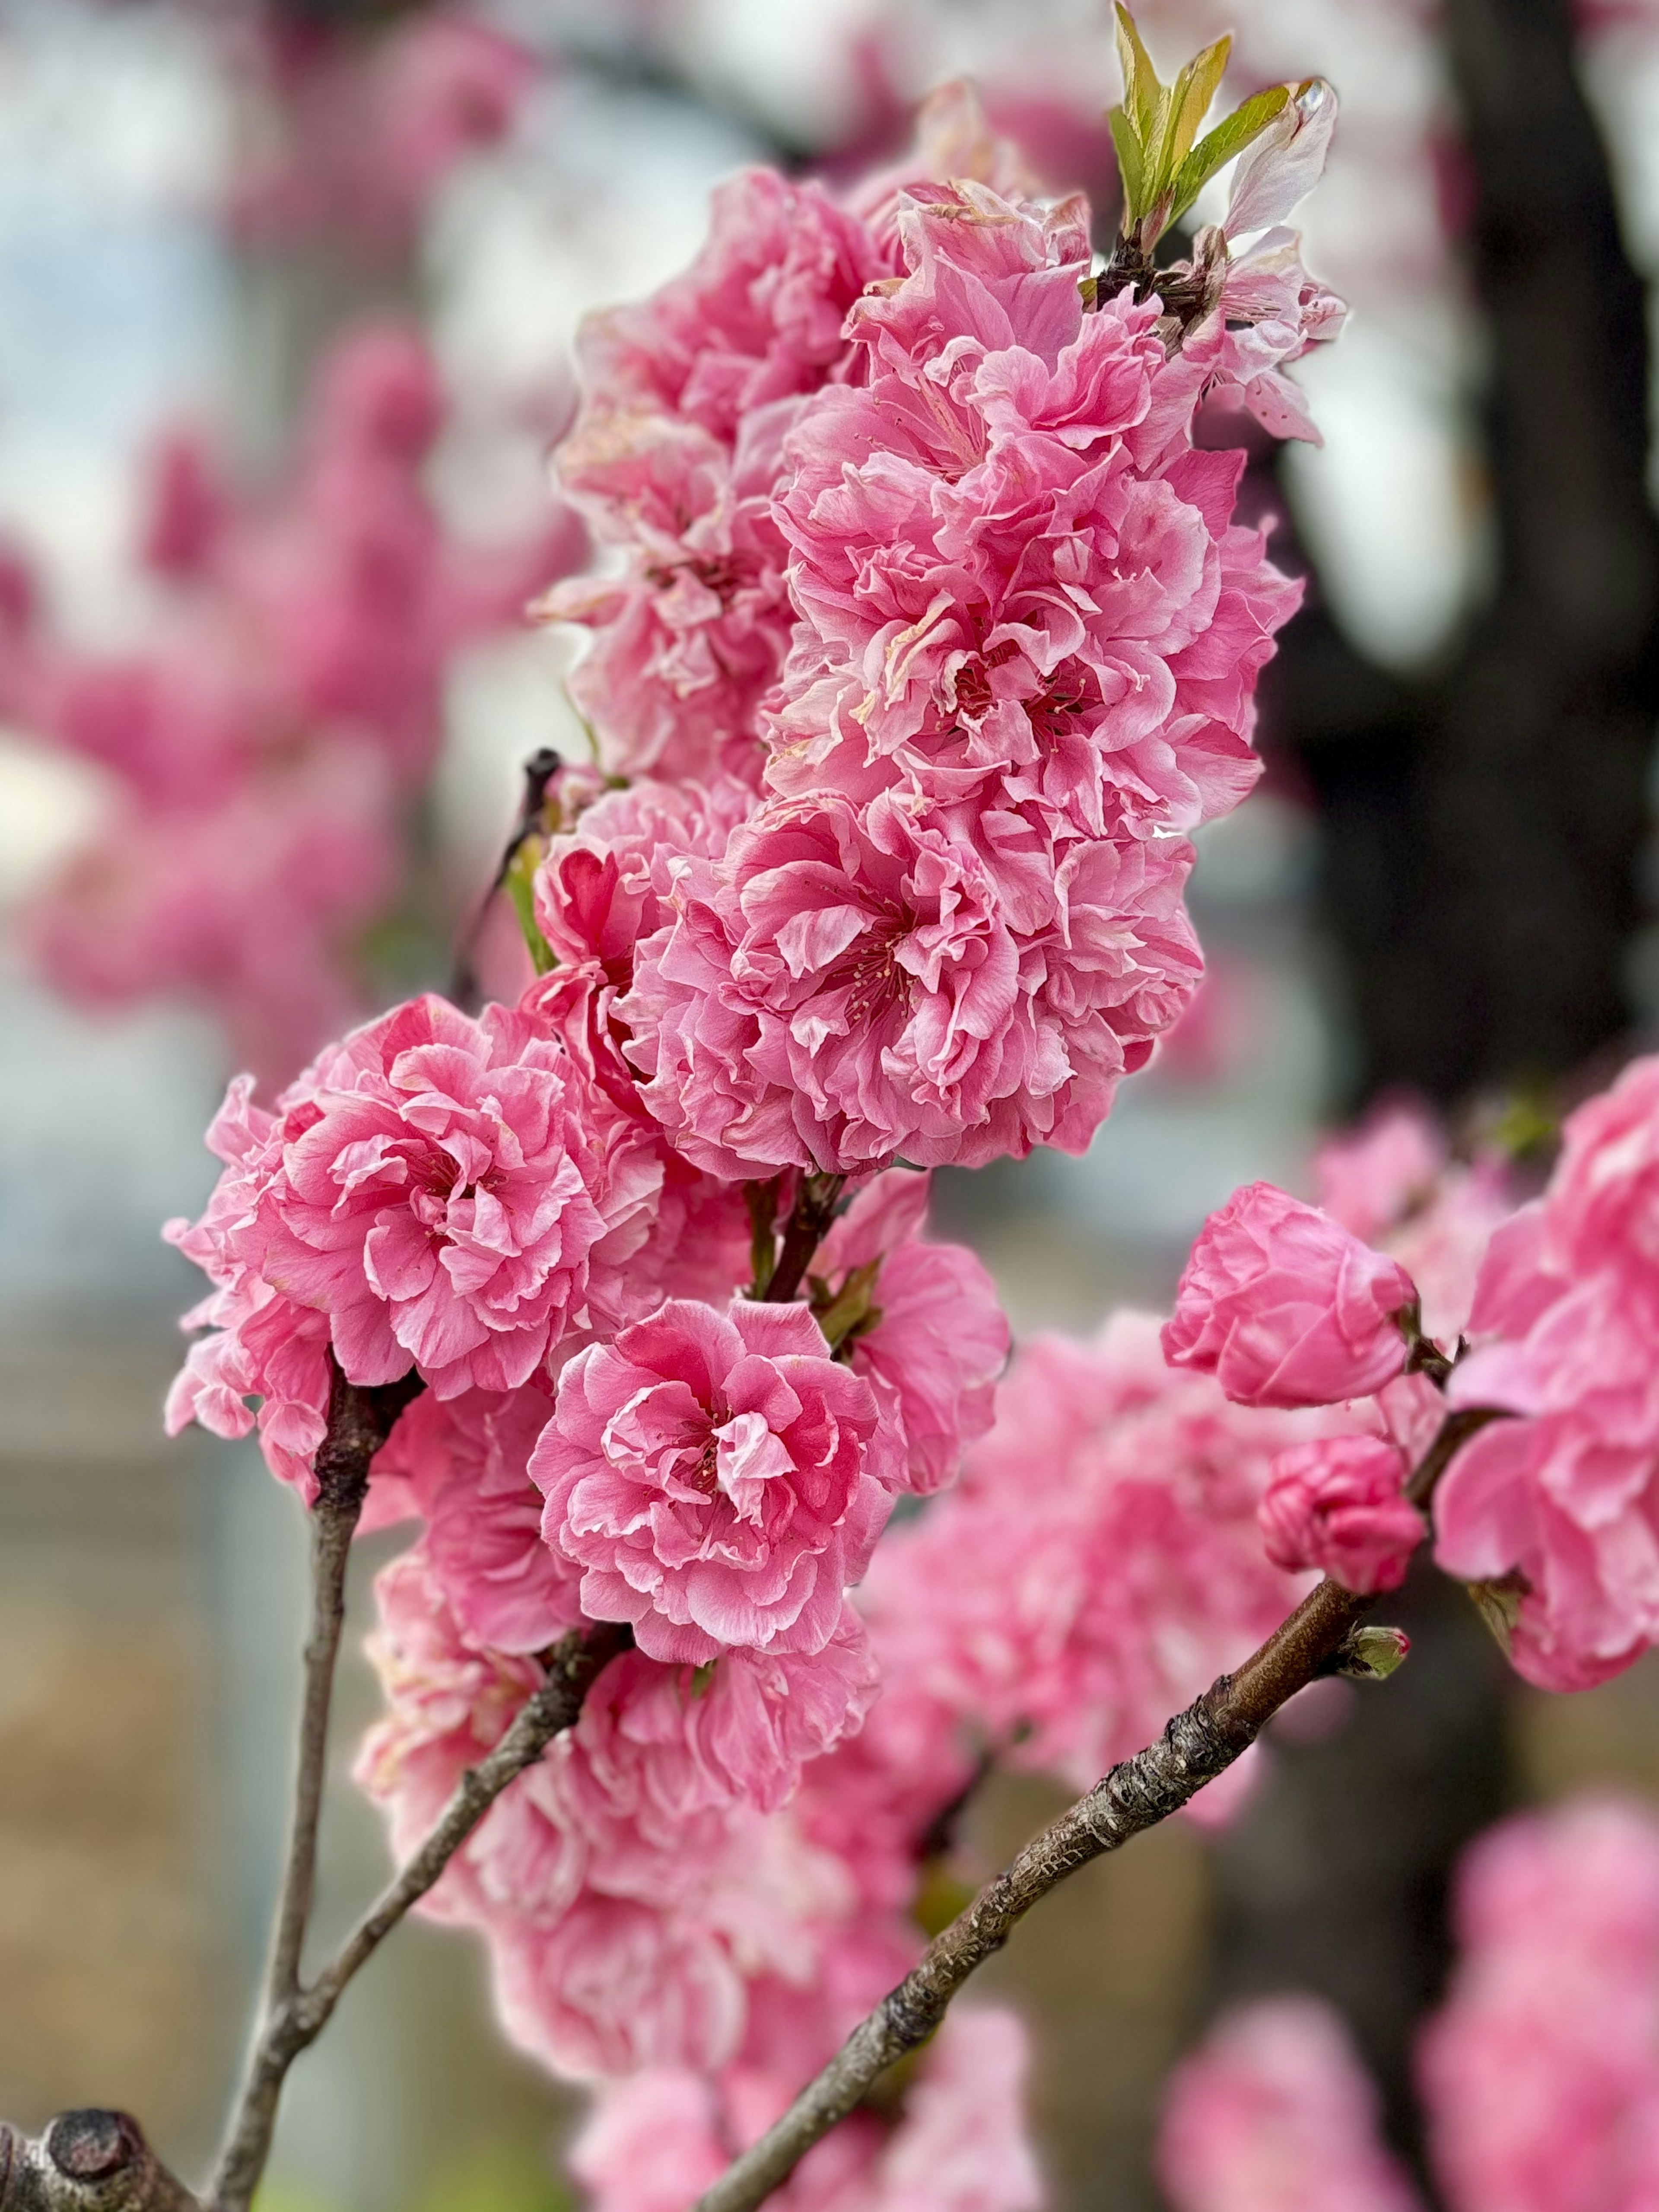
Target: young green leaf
1193, 89
1130, 168
1144, 95
1239, 129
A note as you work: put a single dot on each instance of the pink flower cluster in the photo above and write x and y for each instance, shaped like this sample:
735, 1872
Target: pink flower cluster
926, 636
269, 746
919, 548
1539, 2074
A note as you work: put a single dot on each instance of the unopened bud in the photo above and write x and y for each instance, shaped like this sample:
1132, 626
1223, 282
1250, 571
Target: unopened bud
1371, 1655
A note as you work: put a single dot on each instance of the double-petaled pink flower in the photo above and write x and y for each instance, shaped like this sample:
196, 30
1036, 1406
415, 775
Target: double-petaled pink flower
449, 1193
1284, 1307
712, 1474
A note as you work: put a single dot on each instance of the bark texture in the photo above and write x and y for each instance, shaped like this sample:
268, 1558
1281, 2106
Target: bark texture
1198, 1744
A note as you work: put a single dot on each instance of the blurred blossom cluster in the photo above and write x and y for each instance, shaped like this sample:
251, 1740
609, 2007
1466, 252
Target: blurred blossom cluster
1539, 2074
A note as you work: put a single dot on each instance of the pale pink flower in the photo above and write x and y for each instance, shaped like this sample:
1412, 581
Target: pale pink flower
1373, 1177
612, 1987
1540, 2072
757, 317
853, 986
1098, 1565
1603, 1202
959, 2147
1285, 1308
690, 639
1337, 1504
1274, 2113
933, 1338
713, 1476
1011, 563
461, 1463
449, 1702
651, 2142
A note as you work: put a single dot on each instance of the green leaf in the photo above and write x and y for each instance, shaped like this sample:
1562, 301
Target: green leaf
1231, 136
1193, 89
1143, 93
1130, 168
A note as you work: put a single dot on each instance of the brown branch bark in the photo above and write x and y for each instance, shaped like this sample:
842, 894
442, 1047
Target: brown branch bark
360, 1420
1197, 1745
88, 2161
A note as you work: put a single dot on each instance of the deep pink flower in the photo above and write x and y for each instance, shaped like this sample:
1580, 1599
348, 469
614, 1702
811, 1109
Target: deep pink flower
853, 986
1336, 1503
1284, 1307
712, 1475
933, 1340
1274, 2113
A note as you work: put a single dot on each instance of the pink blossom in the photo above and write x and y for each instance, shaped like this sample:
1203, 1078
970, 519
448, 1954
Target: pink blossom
1540, 2073
931, 1339
1337, 1505
690, 639
852, 986
1098, 1565
1285, 1308
613, 1985
1564, 1494
1376, 1176
1604, 1195
959, 2147
1001, 577
1393, 1184
449, 1702
650, 2143
757, 317
604, 886
446, 1191
462, 1464
1273, 2113
712, 1475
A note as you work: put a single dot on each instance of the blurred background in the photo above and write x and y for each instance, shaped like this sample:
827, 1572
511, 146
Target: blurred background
287, 301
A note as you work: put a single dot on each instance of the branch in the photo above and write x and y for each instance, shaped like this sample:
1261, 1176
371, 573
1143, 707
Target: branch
294, 2024
814, 1209
572, 1665
360, 1419
88, 2161
1197, 1745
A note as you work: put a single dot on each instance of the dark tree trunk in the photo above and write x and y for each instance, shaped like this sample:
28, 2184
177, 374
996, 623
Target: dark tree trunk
1482, 829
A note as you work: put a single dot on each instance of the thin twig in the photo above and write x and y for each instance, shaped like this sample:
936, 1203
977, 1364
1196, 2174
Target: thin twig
1197, 1745
572, 1666
360, 1419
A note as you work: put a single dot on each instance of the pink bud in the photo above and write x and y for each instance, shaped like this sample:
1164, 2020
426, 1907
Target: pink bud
1337, 1505
1284, 1307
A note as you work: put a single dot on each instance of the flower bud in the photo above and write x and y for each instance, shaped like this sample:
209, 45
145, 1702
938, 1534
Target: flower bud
1338, 1504
1285, 1308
